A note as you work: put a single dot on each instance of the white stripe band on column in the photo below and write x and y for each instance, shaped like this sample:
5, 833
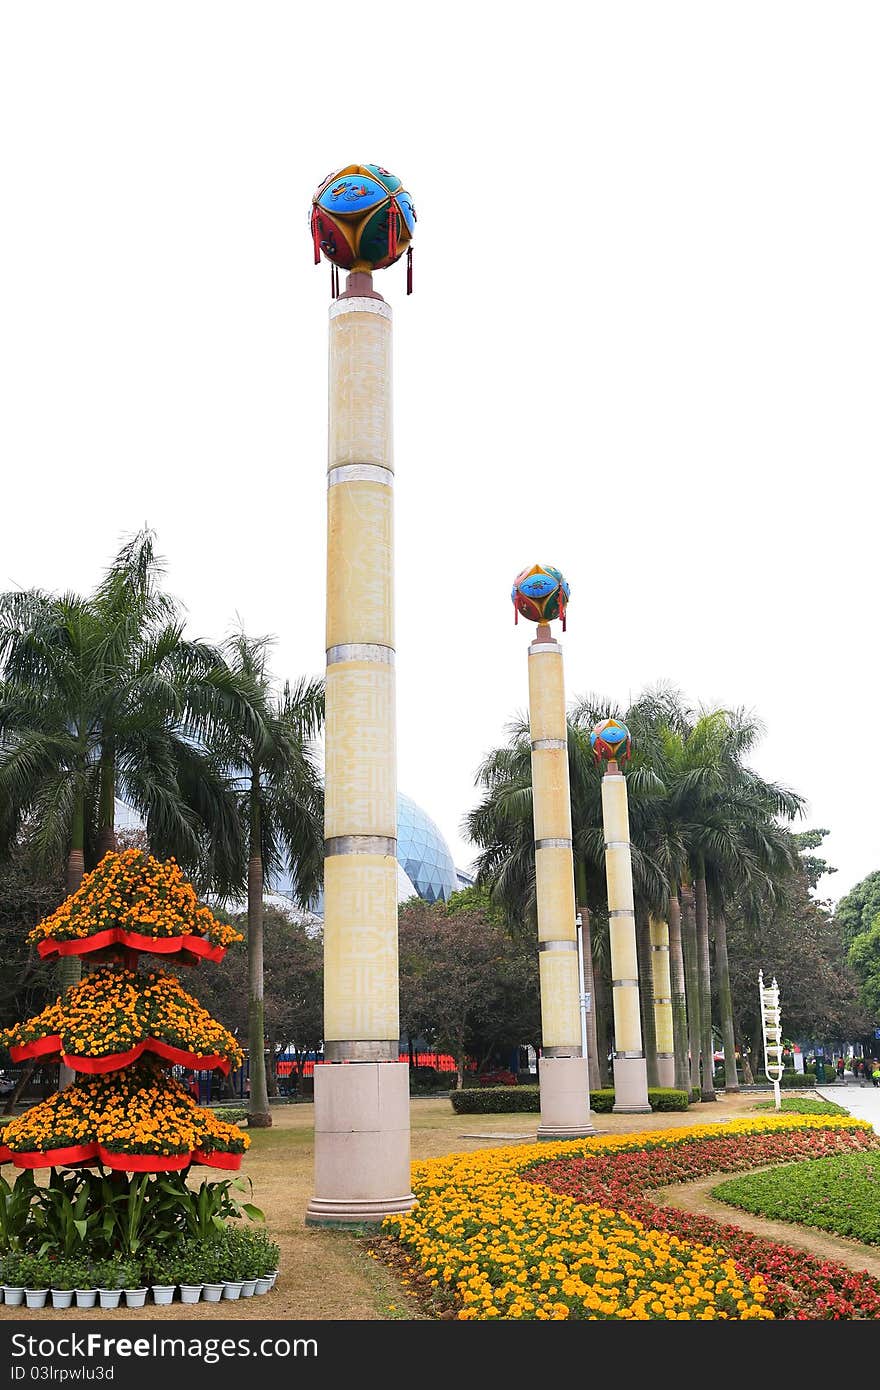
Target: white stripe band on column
360, 844
617, 844
625, 984
360, 473
360, 304
553, 842
361, 651
538, 743
557, 946
621, 912
536, 648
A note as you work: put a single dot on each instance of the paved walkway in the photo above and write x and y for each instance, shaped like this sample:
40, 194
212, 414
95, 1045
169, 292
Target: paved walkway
862, 1100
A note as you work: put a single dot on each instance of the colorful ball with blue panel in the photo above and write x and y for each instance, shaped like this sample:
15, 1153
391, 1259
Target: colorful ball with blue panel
610, 739
362, 218
540, 594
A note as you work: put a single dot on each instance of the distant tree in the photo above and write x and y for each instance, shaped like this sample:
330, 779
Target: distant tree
856, 911
465, 983
294, 985
797, 940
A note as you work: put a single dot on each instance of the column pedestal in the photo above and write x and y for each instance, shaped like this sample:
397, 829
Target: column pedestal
630, 1086
666, 1071
565, 1098
362, 1143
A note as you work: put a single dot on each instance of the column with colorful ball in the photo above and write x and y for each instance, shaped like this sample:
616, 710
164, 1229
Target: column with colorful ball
541, 594
361, 220
610, 741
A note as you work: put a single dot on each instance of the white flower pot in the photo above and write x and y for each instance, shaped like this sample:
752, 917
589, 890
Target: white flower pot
264, 1284
109, 1298
232, 1288
273, 1276
212, 1293
190, 1293
248, 1288
61, 1298
163, 1293
86, 1298
135, 1298
13, 1294
36, 1298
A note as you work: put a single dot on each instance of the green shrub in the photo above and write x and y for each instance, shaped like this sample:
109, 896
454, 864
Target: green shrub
230, 1115
34, 1271
430, 1079
509, 1100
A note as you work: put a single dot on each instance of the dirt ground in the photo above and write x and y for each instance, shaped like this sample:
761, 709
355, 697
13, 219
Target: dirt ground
332, 1275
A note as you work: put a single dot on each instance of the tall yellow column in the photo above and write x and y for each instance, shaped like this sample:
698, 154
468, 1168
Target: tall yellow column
563, 1071
661, 975
362, 1131
630, 1071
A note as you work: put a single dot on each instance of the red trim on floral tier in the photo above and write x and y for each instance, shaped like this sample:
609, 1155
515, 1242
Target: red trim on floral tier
135, 941
121, 1163
115, 1061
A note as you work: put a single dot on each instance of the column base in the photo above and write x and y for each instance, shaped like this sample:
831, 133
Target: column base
362, 1144
565, 1098
666, 1071
630, 1086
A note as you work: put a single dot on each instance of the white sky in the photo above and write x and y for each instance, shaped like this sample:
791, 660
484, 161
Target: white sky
642, 345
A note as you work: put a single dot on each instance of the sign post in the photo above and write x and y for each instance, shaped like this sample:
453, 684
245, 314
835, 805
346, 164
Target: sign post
771, 1027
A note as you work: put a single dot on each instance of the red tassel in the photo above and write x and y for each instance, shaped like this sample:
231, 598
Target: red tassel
316, 236
409, 270
392, 229
515, 616
334, 281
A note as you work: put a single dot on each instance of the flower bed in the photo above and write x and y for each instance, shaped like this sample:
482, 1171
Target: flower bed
113, 1016
561, 1231
137, 1120
137, 902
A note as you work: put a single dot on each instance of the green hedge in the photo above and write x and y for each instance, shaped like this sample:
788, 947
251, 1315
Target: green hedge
508, 1100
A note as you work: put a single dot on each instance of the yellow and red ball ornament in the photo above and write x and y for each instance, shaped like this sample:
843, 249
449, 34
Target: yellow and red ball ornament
610, 739
540, 594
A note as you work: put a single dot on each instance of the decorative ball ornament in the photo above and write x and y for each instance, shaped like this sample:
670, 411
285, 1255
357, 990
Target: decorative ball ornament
362, 218
540, 594
610, 739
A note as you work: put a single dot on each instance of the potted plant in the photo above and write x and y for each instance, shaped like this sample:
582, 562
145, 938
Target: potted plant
34, 1271
133, 1285
61, 1282
188, 1268
230, 1257
13, 1284
159, 1272
212, 1287
109, 1279
267, 1255
85, 1289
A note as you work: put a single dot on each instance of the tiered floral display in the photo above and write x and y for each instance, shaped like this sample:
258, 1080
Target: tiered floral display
122, 1029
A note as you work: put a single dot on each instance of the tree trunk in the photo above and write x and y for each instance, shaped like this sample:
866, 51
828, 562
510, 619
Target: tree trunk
20, 1087
107, 803
70, 967
679, 1003
707, 1037
603, 1025
259, 1114
725, 1002
593, 1069
271, 1080
758, 1046
646, 995
692, 981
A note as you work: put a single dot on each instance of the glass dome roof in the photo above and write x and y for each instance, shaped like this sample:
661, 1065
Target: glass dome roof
423, 853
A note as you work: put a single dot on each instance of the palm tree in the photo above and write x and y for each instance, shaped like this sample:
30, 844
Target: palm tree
270, 764
103, 695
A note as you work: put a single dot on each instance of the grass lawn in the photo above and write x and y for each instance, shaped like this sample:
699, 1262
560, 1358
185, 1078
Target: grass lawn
834, 1194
